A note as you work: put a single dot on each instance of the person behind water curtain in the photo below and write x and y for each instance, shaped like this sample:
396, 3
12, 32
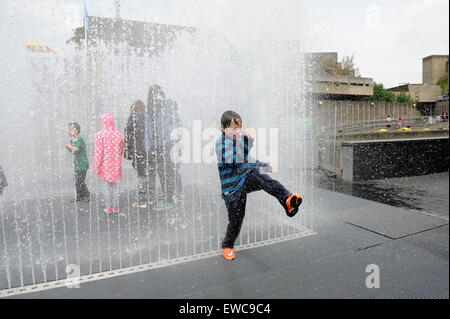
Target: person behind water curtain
160, 128
107, 163
137, 150
3, 181
173, 122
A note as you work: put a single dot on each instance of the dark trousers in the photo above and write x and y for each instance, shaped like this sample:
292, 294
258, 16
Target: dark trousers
166, 172
80, 185
235, 204
159, 163
178, 181
145, 167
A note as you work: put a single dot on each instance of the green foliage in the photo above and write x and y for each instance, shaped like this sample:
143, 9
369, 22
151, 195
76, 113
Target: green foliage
348, 66
443, 83
404, 98
78, 36
380, 94
329, 66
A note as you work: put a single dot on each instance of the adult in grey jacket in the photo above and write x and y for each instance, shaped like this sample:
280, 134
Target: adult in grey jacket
160, 127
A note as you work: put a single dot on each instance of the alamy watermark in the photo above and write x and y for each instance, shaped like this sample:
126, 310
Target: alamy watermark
373, 16
73, 276
198, 145
373, 280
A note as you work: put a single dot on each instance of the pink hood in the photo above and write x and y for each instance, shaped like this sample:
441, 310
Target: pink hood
107, 121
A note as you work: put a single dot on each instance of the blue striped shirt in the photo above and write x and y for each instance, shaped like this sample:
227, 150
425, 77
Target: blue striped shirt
234, 162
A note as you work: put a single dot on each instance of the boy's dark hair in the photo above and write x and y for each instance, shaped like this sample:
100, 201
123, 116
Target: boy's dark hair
229, 116
76, 126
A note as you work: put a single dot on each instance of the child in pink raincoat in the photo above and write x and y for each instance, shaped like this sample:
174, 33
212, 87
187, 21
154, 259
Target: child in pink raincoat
109, 145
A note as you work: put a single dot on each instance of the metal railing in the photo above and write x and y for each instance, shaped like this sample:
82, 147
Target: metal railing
414, 122
379, 124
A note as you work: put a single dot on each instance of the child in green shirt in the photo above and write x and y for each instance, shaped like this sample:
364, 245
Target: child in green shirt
80, 161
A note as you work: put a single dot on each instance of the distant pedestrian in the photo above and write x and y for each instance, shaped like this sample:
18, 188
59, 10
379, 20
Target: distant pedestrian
408, 125
445, 115
137, 149
3, 181
388, 121
109, 145
173, 122
160, 126
399, 123
80, 162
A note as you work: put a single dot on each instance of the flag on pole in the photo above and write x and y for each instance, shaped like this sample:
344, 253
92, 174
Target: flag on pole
86, 24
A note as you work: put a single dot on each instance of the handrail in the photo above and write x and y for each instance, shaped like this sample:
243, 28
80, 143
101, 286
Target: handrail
355, 126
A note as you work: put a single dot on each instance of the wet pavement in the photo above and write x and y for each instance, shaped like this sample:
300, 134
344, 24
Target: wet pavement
42, 239
408, 242
426, 193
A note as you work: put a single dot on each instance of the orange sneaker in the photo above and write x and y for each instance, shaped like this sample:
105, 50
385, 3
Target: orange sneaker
293, 202
228, 253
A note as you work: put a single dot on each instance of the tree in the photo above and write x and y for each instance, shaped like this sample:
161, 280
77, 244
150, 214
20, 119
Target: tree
380, 94
443, 83
78, 36
329, 66
404, 98
348, 66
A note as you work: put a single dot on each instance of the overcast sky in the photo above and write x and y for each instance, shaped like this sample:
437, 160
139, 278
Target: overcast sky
387, 38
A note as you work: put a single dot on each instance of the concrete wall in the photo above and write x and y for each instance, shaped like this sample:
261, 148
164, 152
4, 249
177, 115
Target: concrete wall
366, 160
441, 107
342, 89
349, 113
433, 68
342, 117
424, 93
333, 158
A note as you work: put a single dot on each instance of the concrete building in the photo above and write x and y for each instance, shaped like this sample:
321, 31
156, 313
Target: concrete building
329, 80
428, 93
127, 37
422, 93
342, 87
433, 68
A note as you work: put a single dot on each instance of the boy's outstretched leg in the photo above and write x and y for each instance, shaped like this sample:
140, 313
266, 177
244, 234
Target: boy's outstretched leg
257, 181
293, 202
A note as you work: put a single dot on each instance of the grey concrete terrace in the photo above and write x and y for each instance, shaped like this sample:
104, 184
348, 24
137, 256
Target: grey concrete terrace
409, 246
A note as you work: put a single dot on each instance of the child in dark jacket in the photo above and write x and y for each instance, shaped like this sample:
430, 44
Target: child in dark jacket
239, 175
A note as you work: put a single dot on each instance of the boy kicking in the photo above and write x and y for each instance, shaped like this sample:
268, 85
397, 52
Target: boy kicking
239, 175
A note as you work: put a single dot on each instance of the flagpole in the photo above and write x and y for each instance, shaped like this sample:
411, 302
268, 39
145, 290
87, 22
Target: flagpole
117, 3
86, 24
85, 38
